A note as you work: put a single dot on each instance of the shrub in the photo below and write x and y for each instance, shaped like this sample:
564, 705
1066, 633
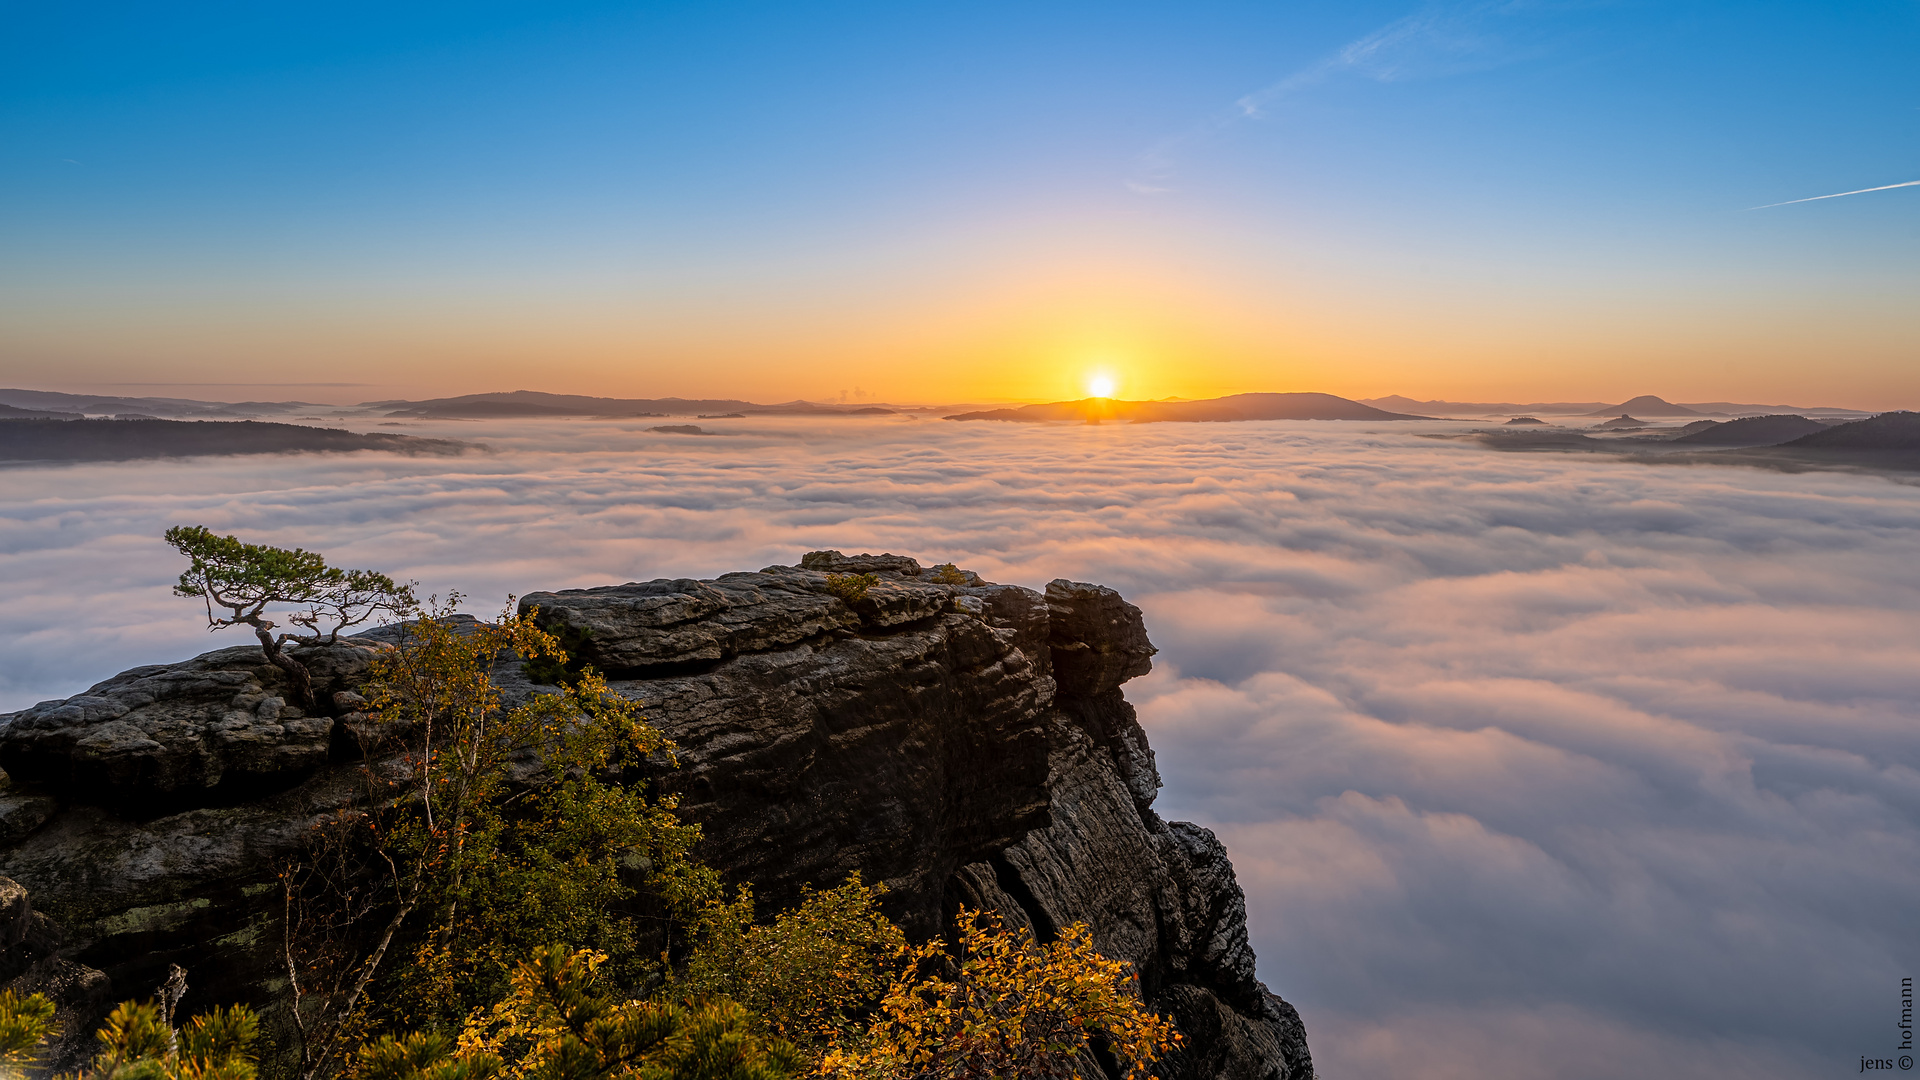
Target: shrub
139, 1041
851, 587
948, 574
561, 1023
502, 831
563, 669
1005, 1005
813, 975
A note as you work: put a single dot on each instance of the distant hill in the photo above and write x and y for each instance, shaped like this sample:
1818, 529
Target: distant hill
533, 403
126, 440
1644, 405
177, 408
1888, 431
1215, 410
1734, 408
1623, 421
1751, 431
1399, 403
8, 412
1599, 408
1887, 442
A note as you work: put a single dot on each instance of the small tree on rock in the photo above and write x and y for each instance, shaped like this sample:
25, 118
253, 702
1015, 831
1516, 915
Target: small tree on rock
240, 581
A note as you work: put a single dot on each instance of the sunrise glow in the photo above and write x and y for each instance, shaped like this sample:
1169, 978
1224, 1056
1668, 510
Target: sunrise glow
1241, 219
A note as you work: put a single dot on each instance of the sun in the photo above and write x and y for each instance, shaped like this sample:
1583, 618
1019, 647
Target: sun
1100, 386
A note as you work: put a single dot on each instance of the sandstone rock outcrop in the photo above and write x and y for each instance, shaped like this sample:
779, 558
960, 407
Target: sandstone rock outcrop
176, 734
966, 743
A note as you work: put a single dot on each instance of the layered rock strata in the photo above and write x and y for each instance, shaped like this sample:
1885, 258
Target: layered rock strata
964, 742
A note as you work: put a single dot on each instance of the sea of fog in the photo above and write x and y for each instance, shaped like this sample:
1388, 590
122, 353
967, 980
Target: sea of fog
1533, 766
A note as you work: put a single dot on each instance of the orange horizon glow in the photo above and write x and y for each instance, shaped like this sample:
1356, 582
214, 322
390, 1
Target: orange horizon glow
963, 332
1494, 264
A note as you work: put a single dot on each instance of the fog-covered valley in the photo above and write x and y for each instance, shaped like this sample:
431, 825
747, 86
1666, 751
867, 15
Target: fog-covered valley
1531, 764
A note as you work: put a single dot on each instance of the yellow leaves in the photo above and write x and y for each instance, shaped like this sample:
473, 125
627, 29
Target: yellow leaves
1006, 1005
559, 1023
526, 1028
810, 972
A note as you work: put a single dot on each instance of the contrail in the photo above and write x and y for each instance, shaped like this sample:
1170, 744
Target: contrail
1836, 195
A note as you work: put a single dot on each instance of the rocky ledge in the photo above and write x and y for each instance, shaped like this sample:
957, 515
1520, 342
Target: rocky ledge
967, 743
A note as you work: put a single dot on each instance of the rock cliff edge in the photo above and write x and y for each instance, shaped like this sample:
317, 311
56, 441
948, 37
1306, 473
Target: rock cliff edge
967, 743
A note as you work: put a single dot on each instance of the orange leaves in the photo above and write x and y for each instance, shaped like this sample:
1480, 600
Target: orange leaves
1005, 1005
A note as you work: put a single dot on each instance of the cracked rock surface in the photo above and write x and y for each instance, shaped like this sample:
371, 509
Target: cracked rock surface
182, 734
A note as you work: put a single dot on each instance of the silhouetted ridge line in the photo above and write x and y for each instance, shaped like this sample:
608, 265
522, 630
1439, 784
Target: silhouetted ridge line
9, 412
125, 440
1888, 431
1299, 406
535, 403
1751, 431
1644, 405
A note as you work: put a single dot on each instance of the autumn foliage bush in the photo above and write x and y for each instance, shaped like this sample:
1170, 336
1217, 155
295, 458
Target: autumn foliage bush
1001, 1004
812, 975
851, 587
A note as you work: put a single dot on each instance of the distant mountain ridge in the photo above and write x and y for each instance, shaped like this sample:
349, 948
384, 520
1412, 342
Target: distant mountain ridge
1752, 431
1888, 431
530, 404
508, 404
9, 412
1888, 441
1297, 406
130, 440
1644, 405
535, 403
53, 401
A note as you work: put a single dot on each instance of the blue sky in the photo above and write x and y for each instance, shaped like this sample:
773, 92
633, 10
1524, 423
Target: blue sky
1447, 198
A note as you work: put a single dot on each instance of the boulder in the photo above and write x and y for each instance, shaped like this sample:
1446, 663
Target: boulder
657, 624
214, 728
832, 562
1098, 639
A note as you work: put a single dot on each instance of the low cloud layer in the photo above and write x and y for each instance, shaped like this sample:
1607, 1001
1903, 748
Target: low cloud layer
1532, 766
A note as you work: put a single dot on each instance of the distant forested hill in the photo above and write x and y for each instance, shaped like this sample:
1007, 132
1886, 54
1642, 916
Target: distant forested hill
1304, 406
124, 440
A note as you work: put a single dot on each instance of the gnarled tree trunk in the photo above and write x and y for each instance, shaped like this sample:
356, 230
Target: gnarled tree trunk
296, 671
